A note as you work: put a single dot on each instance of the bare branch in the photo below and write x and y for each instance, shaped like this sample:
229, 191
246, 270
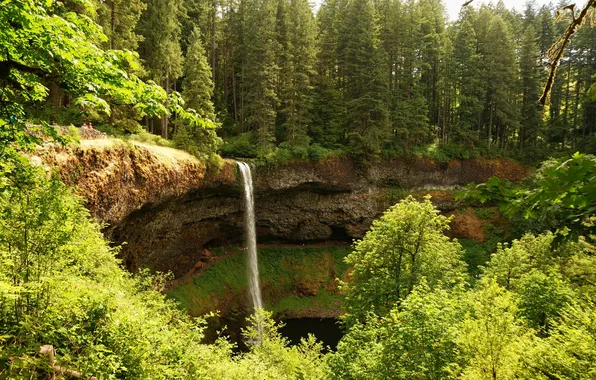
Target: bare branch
555, 53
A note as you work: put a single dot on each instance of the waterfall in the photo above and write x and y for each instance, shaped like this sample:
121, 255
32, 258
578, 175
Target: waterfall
251, 238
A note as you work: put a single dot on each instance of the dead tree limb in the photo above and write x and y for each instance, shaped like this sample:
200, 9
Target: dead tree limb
49, 351
555, 53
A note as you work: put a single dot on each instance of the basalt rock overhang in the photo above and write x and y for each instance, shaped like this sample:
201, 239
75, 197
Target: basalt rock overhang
167, 207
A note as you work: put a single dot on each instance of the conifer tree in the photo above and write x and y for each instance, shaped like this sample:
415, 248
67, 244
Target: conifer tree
360, 67
328, 113
259, 71
531, 119
447, 93
197, 88
284, 58
119, 19
296, 100
468, 82
161, 51
501, 114
545, 26
432, 25
410, 115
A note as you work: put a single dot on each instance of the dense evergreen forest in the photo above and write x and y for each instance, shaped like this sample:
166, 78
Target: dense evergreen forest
364, 78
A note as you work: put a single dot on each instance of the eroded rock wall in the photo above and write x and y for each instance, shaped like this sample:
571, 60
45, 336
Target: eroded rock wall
168, 208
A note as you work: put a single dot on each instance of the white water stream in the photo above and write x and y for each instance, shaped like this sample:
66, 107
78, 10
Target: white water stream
251, 237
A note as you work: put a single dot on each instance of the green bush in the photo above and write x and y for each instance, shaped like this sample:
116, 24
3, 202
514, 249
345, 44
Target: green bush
150, 138
61, 284
240, 146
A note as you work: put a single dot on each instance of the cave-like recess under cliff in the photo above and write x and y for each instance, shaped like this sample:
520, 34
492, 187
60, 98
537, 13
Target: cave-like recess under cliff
169, 210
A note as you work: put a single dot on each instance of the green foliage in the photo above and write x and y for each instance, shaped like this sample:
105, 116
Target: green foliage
569, 350
61, 285
542, 297
421, 334
416, 340
149, 138
286, 153
529, 314
197, 86
92, 76
560, 194
491, 339
404, 246
271, 358
240, 146
292, 279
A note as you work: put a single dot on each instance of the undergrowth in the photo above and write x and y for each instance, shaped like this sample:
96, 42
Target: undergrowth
291, 277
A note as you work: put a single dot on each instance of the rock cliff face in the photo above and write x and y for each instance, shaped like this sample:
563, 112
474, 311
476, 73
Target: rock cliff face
167, 207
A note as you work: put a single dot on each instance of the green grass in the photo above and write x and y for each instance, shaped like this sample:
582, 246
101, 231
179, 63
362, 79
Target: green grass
292, 279
478, 254
485, 213
292, 305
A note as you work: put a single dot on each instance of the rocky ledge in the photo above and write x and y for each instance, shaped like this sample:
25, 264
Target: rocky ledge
168, 207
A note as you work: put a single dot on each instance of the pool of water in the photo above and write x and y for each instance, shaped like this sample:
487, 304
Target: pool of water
326, 330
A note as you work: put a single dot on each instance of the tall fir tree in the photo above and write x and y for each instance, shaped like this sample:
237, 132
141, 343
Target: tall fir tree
410, 116
298, 97
259, 70
328, 114
197, 88
160, 49
360, 69
501, 76
119, 19
432, 25
468, 82
531, 117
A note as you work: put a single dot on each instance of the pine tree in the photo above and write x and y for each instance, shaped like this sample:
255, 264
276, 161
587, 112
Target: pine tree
328, 113
447, 91
119, 19
468, 82
360, 66
297, 99
432, 25
545, 26
161, 51
259, 70
531, 119
410, 113
500, 102
197, 88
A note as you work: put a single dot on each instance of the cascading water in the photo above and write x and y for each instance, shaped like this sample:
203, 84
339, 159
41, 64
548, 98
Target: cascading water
251, 238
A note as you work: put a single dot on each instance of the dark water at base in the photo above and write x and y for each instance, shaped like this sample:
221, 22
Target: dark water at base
326, 330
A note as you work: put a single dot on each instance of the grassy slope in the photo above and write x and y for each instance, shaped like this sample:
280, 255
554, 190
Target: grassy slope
296, 281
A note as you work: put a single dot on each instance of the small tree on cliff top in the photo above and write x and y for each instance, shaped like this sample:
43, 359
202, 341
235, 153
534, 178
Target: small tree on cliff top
405, 245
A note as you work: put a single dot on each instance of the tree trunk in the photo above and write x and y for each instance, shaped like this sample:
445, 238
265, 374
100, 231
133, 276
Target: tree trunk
112, 24
213, 19
576, 109
490, 124
164, 118
566, 114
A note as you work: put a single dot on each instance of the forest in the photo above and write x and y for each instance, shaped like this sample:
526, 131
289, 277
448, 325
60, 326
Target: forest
275, 82
362, 78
